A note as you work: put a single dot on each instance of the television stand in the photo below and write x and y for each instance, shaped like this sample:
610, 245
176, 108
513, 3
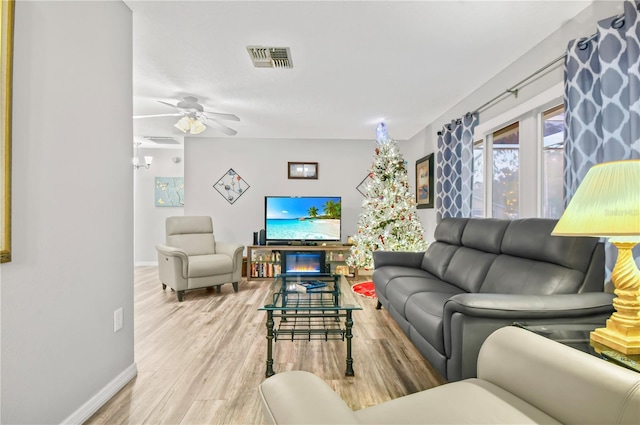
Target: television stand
264, 261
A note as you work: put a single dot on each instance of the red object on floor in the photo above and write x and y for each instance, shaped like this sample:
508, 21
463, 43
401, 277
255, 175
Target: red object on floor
366, 289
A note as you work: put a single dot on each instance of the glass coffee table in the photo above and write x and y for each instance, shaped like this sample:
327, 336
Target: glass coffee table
310, 307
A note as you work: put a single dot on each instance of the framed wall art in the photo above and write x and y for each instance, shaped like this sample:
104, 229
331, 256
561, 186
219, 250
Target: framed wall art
362, 187
302, 170
169, 191
424, 182
6, 57
231, 186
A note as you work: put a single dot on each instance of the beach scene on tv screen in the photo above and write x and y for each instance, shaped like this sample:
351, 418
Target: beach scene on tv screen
303, 218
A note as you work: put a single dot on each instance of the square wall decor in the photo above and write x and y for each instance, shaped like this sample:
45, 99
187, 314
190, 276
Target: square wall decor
362, 187
169, 191
231, 186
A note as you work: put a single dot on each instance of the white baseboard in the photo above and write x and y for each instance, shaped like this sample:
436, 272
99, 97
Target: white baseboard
97, 401
145, 263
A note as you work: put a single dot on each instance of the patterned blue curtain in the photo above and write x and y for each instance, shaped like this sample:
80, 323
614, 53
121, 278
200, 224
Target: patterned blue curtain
602, 100
454, 168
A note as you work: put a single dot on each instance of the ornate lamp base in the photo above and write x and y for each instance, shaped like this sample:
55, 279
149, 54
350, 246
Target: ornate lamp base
622, 333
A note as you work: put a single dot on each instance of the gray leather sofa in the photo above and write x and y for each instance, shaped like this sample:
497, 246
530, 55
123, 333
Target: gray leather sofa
523, 378
483, 274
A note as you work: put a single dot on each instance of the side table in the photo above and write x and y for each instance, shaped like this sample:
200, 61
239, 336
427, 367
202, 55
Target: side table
576, 335
630, 361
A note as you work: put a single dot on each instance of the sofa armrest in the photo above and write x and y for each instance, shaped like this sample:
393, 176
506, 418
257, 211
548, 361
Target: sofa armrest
517, 306
397, 258
233, 250
470, 318
299, 397
170, 251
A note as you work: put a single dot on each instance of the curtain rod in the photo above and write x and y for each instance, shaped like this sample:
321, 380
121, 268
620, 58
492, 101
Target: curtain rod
617, 22
514, 90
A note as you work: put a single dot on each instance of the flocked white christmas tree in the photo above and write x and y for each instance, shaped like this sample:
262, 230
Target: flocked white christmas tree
388, 221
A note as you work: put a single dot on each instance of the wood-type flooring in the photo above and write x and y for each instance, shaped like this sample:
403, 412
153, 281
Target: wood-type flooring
201, 361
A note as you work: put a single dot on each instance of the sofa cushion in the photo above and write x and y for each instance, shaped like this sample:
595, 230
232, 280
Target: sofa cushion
468, 268
514, 275
450, 230
484, 234
193, 244
209, 265
400, 289
383, 275
192, 234
531, 238
437, 258
424, 311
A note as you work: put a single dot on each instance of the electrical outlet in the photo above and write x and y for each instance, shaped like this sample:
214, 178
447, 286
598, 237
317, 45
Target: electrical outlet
118, 319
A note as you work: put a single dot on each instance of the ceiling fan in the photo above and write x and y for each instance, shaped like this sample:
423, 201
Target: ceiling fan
194, 117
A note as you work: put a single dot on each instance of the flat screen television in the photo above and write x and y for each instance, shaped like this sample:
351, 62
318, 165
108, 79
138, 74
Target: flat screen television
302, 219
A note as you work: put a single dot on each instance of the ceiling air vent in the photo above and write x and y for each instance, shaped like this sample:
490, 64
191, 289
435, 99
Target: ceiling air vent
162, 140
270, 57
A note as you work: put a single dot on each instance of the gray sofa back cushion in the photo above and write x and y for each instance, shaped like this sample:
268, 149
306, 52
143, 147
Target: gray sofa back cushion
468, 268
531, 238
448, 236
449, 230
514, 275
436, 259
484, 234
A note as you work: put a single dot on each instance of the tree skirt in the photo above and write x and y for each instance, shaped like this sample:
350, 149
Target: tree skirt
365, 289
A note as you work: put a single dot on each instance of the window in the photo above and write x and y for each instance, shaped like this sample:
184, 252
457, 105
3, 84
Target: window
477, 200
553, 162
518, 159
506, 172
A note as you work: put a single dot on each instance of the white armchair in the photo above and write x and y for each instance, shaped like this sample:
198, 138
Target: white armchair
193, 259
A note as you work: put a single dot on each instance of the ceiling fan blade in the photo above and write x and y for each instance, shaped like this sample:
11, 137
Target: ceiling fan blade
157, 115
168, 104
220, 116
222, 127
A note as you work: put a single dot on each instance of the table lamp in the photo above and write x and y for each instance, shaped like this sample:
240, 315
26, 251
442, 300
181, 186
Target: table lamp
607, 204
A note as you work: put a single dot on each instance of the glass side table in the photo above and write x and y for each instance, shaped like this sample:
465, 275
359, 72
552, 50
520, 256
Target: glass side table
630, 361
576, 335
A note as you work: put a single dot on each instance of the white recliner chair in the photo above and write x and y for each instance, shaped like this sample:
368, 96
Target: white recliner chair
193, 259
523, 378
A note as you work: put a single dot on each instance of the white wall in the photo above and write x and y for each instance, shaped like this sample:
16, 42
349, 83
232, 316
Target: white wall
72, 237
583, 25
342, 164
149, 219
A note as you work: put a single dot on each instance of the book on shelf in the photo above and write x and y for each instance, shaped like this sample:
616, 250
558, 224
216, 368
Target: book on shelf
310, 286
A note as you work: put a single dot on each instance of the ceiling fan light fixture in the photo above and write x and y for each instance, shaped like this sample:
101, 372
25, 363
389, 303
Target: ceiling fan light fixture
183, 124
192, 119
197, 127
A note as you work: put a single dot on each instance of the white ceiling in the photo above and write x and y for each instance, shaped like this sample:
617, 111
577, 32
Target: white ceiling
355, 63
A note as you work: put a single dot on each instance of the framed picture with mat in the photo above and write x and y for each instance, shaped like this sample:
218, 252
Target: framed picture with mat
424, 182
